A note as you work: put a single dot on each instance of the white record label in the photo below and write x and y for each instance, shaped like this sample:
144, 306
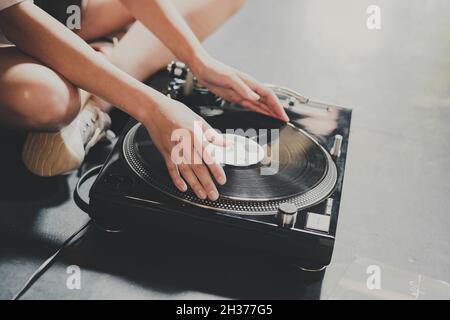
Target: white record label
240, 151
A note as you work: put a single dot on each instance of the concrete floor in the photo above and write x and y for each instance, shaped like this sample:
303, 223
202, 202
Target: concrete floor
396, 201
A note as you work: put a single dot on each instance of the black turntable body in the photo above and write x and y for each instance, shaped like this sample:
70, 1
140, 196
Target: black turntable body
291, 212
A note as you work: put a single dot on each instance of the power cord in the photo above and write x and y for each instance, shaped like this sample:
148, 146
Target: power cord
83, 205
49, 262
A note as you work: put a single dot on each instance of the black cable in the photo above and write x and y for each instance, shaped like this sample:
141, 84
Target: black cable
83, 205
47, 263
80, 202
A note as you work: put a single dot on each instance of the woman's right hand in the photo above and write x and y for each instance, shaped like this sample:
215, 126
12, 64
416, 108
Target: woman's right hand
177, 131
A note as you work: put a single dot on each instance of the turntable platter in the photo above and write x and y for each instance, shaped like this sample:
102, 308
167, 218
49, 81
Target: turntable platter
300, 172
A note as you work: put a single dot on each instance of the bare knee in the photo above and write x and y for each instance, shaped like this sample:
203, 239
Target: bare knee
59, 108
45, 105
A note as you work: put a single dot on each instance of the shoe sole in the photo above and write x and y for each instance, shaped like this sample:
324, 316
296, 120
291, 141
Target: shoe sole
47, 155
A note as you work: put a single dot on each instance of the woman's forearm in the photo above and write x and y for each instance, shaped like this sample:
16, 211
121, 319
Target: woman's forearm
39, 35
163, 19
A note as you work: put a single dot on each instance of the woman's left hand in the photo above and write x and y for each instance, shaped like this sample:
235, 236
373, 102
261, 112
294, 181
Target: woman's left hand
238, 87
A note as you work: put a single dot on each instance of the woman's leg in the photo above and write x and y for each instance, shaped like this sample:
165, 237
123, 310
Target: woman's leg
35, 98
103, 17
140, 53
32, 96
27, 102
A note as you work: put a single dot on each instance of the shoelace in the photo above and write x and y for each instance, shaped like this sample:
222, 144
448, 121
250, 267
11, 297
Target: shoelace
88, 124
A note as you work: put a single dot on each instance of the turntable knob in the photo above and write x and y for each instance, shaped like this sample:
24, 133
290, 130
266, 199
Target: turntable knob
336, 149
287, 215
177, 69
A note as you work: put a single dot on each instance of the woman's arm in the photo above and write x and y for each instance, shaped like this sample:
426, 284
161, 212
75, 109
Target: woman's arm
162, 18
39, 35
44, 38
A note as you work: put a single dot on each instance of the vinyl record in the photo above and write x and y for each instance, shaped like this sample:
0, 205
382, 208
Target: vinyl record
295, 167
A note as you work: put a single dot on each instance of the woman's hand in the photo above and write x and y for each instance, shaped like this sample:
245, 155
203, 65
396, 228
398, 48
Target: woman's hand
182, 136
238, 87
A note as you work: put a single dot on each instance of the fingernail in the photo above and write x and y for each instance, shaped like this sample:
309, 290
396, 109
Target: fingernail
283, 117
182, 187
255, 96
222, 180
213, 195
201, 194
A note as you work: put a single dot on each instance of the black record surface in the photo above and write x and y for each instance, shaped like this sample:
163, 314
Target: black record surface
301, 163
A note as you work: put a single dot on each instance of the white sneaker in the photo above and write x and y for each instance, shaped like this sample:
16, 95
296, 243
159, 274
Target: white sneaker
53, 153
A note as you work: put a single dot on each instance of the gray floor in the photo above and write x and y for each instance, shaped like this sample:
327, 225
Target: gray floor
395, 206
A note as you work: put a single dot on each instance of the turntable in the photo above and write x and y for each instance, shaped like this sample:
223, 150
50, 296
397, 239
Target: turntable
285, 202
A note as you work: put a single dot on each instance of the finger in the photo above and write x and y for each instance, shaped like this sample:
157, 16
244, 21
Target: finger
208, 159
201, 151
237, 86
230, 95
213, 136
252, 107
240, 87
214, 166
192, 180
255, 85
175, 176
226, 93
274, 103
205, 179
262, 106
243, 89
218, 173
271, 100
257, 106
267, 96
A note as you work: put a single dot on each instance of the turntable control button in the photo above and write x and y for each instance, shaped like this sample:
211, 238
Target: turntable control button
287, 215
336, 149
318, 222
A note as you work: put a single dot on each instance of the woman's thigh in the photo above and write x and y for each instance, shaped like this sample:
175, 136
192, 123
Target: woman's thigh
140, 53
205, 16
33, 96
103, 17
